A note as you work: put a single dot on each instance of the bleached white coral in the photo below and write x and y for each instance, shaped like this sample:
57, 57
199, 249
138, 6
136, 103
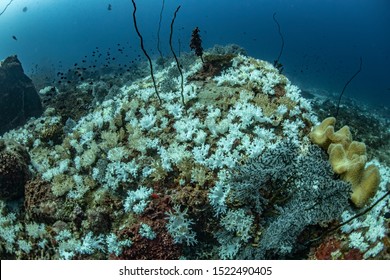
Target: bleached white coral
35, 230
217, 197
115, 246
186, 128
147, 232
200, 137
176, 110
80, 190
225, 144
119, 172
136, 201
281, 110
200, 153
179, 227
292, 92
377, 231
60, 169
253, 148
177, 153
116, 154
147, 121
374, 251
126, 141
353, 225
164, 158
9, 228
356, 240
91, 243
221, 159
146, 93
291, 128
24, 246
269, 81
190, 92
229, 77
264, 134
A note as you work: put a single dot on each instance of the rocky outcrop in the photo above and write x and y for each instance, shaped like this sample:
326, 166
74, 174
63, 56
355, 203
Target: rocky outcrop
18, 98
14, 171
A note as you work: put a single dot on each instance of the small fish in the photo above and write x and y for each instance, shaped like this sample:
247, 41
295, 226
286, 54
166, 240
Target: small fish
14, 37
109, 7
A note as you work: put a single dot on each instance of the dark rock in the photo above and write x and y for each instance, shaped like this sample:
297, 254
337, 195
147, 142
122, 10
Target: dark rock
19, 99
14, 171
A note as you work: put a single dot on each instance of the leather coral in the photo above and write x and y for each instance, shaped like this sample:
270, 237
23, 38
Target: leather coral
348, 159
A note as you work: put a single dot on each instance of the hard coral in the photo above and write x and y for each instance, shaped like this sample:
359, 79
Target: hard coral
303, 188
348, 159
14, 172
38, 198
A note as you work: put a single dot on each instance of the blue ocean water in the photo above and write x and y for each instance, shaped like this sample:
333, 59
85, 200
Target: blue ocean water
324, 39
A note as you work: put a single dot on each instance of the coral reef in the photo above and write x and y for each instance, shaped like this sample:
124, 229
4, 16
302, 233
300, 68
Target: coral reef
230, 175
348, 159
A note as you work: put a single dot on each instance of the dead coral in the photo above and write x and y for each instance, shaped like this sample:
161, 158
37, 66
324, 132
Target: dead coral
213, 65
162, 247
52, 132
267, 105
38, 196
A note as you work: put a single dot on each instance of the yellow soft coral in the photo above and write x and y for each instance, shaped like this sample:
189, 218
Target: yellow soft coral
320, 133
348, 159
367, 187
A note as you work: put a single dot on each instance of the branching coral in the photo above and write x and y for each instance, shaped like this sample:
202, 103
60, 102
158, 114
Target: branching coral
299, 187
